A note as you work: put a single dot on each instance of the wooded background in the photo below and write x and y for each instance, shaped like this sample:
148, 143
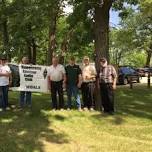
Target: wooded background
41, 29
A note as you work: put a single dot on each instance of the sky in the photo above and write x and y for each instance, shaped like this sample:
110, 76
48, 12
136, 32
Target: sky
114, 19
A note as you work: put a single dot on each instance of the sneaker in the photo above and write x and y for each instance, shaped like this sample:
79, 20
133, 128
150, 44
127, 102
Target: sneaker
92, 109
79, 109
53, 110
85, 109
8, 108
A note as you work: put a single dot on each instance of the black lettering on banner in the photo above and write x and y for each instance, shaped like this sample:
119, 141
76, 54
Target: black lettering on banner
28, 75
33, 87
31, 67
29, 72
28, 79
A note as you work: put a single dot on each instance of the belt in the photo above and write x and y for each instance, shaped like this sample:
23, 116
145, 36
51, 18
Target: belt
89, 82
56, 81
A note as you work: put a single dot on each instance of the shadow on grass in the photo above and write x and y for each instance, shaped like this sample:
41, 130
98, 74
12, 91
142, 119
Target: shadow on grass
113, 119
135, 102
28, 130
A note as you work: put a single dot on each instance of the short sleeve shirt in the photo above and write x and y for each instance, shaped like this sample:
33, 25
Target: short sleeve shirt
107, 74
56, 73
72, 74
4, 81
88, 71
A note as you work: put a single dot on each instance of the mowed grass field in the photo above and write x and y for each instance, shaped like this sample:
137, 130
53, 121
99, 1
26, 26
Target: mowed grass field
41, 130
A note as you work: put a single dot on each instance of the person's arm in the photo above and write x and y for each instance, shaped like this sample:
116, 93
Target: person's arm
10, 80
93, 73
114, 73
79, 77
6, 74
79, 80
64, 74
49, 82
64, 77
114, 83
49, 79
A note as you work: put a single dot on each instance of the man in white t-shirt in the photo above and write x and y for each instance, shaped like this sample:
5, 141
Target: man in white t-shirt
5, 74
56, 77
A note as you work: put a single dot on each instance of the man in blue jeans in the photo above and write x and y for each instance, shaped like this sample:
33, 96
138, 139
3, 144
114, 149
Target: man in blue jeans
25, 96
73, 82
5, 74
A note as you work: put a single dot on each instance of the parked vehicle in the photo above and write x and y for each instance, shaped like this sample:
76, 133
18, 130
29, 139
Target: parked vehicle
143, 72
127, 73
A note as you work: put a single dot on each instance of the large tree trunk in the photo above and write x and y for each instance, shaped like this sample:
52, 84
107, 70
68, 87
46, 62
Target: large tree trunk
65, 45
101, 29
29, 50
52, 33
34, 50
6, 39
31, 45
6, 34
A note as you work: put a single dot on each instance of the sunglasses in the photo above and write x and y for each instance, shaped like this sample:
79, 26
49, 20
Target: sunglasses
102, 61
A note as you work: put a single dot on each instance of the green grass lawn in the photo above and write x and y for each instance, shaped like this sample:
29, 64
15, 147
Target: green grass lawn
41, 130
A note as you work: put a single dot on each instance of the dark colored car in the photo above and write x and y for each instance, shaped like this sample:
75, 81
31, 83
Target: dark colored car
127, 73
143, 72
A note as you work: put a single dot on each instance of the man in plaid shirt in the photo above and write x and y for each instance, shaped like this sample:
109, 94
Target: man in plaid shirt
107, 80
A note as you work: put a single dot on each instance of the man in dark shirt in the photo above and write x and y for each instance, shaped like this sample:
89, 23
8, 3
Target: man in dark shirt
73, 82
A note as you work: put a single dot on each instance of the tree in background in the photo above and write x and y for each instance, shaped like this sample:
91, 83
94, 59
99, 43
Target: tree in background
4, 5
137, 29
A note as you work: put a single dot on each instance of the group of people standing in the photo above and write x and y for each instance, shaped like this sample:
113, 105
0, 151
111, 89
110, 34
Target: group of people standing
74, 78
71, 78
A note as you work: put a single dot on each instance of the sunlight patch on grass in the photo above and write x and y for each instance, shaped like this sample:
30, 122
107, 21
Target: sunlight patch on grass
7, 120
22, 133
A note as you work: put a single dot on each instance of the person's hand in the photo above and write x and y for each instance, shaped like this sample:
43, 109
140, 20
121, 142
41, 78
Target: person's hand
10, 83
49, 86
114, 86
64, 85
79, 85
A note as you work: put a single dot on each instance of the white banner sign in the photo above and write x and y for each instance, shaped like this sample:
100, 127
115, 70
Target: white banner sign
32, 78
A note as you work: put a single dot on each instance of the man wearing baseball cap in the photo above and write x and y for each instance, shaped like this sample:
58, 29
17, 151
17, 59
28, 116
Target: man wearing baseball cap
5, 74
88, 85
107, 80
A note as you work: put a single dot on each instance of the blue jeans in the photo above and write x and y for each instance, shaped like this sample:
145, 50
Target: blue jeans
3, 97
73, 91
25, 98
